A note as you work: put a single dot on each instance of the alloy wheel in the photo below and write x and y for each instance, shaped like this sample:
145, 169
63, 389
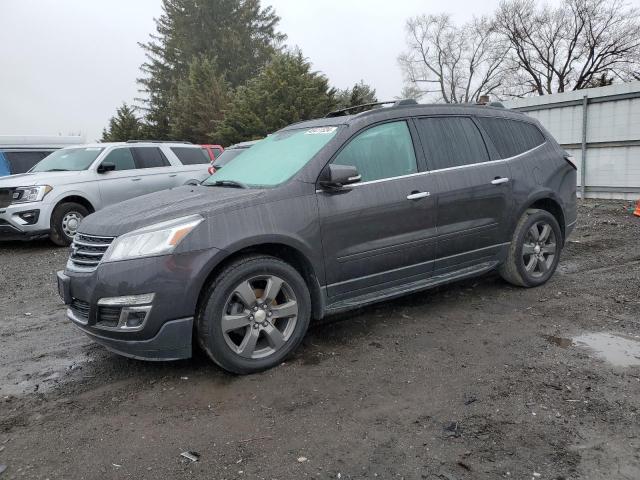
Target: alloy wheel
539, 249
259, 316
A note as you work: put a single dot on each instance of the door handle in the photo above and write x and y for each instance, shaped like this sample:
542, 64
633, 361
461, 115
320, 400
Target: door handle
173, 175
417, 195
499, 181
136, 179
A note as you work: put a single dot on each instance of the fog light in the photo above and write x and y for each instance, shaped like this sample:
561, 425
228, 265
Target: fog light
29, 217
131, 310
135, 319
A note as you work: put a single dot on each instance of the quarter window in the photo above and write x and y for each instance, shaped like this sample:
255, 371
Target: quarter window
121, 158
451, 142
191, 155
511, 137
149, 157
383, 151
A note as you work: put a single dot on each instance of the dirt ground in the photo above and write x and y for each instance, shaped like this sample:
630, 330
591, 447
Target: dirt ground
473, 380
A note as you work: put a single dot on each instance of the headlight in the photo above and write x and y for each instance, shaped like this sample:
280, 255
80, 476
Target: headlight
30, 194
159, 239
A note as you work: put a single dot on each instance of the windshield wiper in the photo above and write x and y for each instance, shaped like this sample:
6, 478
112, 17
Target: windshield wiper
57, 170
227, 183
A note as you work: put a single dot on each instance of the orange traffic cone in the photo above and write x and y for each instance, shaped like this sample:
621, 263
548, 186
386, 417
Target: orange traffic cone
636, 212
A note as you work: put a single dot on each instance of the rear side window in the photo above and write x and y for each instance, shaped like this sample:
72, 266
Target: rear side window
149, 157
383, 151
21, 162
451, 142
191, 156
511, 137
121, 158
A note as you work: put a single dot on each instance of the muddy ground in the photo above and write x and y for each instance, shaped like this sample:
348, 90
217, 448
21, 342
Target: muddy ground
473, 380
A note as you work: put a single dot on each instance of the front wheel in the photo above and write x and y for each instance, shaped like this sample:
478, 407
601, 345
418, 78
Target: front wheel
254, 314
65, 221
535, 249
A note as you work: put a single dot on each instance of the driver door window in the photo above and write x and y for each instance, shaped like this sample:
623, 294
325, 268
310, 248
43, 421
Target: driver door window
383, 151
121, 158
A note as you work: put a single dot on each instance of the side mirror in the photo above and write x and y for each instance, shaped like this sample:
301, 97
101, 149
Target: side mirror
337, 176
106, 167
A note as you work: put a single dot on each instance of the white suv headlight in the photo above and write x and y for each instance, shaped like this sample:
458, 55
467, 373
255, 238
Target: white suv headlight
30, 194
159, 239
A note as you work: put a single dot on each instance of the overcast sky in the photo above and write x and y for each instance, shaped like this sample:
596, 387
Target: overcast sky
65, 65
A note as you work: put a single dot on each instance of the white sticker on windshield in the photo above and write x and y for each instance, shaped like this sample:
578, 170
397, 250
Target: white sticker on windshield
321, 131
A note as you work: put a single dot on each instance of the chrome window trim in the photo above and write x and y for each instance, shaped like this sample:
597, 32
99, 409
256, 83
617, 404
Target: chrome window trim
500, 160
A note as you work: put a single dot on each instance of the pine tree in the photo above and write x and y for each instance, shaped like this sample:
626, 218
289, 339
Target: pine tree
123, 126
286, 91
200, 98
360, 94
240, 34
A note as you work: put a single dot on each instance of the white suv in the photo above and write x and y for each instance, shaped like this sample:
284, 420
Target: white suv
53, 197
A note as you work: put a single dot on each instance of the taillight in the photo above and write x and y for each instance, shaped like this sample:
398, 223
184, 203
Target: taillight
571, 161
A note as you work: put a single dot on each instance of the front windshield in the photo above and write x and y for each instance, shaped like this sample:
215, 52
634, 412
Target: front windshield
68, 159
228, 155
275, 159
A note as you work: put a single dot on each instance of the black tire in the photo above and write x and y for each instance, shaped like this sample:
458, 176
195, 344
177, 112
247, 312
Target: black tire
517, 268
59, 232
221, 295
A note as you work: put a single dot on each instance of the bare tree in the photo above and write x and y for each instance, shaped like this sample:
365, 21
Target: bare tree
454, 64
572, 46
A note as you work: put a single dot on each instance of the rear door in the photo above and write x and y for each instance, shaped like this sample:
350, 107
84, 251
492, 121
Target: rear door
194, 164
156, 171
474, 199
380, 232
124, 182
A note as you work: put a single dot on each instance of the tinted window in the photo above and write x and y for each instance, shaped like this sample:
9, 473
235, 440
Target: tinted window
121, 158
383, 151
451, 142
511, 137
149, 157
191, 156
21, 162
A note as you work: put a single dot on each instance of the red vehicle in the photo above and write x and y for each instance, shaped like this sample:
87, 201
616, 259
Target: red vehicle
214, 152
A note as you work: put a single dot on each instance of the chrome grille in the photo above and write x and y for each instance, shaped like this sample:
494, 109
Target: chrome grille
87, 251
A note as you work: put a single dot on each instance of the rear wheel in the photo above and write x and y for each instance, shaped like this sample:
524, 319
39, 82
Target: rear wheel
65, 221
254, 314
535, 249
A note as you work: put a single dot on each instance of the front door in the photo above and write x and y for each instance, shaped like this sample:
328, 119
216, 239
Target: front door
380, 232
474, 200
124, 182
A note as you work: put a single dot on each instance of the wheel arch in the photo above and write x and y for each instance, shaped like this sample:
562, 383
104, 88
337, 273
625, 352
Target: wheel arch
549, 202
76, 199
285, 252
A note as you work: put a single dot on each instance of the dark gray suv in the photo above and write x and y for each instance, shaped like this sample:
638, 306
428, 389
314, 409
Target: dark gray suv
320, 217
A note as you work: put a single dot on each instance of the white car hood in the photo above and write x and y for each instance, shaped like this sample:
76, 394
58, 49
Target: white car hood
41, 178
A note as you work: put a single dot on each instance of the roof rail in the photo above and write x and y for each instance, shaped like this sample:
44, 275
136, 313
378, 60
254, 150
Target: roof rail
159, 141
368, 106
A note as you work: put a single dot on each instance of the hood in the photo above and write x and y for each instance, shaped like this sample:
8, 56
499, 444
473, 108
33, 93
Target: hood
145, 210
40, 178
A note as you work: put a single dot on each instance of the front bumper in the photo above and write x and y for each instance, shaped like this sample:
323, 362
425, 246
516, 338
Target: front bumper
14, 227
175, 281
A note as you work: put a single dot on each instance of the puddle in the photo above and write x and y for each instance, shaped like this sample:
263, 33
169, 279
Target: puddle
619, 350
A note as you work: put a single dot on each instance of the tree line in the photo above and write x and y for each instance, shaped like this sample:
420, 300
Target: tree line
218, 71
523, 48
